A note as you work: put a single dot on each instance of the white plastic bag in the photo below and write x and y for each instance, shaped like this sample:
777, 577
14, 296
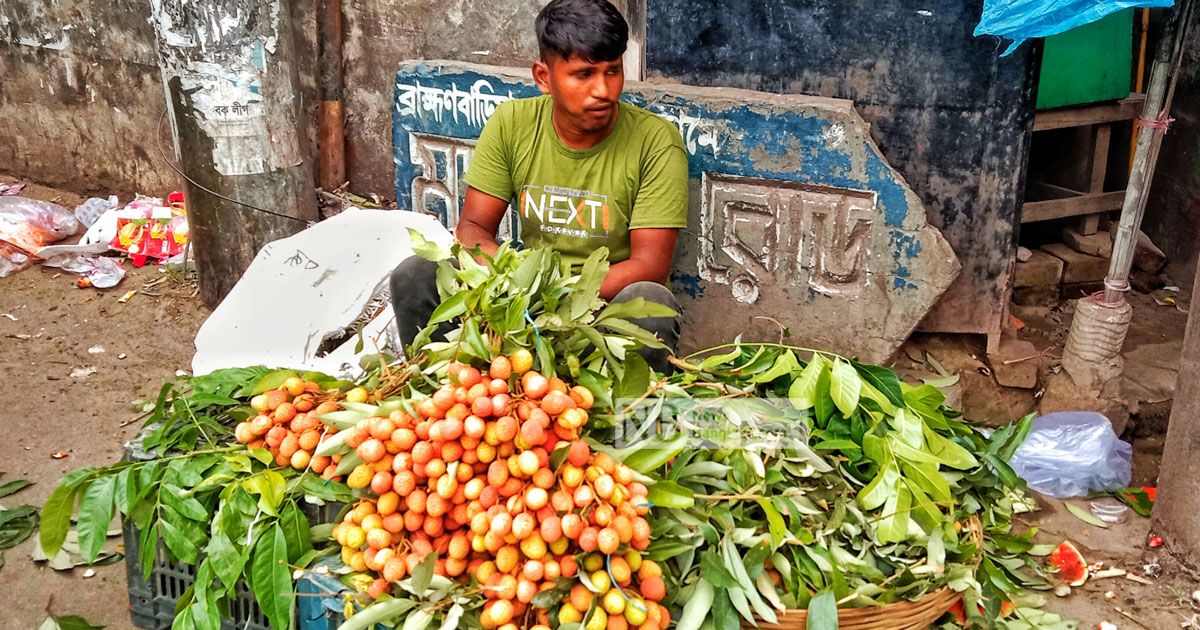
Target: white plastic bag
90, 210
102, 272
1072, 454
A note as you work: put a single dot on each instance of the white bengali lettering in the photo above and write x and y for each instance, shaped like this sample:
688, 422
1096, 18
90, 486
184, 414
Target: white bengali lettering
472, 107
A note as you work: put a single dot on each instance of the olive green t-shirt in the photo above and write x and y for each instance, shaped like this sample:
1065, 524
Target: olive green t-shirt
573, 200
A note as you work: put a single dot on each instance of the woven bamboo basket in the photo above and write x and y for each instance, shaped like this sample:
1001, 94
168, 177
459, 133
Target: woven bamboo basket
905, 615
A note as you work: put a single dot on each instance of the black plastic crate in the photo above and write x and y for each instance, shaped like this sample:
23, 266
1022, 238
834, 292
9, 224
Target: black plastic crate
152, 602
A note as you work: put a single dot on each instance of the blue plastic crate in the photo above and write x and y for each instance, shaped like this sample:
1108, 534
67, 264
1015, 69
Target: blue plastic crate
319, 602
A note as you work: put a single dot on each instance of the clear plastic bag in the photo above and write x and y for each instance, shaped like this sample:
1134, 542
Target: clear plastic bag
90, 210
102, 272
1072, 454
1019, 20
31, 224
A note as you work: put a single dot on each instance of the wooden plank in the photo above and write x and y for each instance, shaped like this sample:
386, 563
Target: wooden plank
1037, 190
1126, 109
1033, 211
1090, 223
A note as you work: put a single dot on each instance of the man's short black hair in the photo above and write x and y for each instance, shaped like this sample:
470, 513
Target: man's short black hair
592, 29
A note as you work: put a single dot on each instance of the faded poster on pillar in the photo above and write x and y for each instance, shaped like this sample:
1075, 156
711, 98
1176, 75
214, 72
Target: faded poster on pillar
221, 68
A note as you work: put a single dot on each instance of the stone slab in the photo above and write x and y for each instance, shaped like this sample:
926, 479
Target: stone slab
1036, 296
1078, 267
1147, 256
1096, 244
1041, 270
1078, 290
795, 218
1015, 364
1062, 394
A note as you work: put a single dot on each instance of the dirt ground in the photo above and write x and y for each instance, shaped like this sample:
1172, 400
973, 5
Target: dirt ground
56, 328
135, 348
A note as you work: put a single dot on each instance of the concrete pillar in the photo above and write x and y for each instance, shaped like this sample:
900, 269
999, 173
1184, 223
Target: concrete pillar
231, 83
1175, 515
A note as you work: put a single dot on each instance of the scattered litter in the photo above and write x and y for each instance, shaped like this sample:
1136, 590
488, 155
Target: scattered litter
21, 336
128, 296
1105, 625
1072, 454
1109, 510
83, 372
148, 229
1072, 568
1062, 590
297, 574
122, 355
9, 315
1133, 577
1109, 573
1196, 596
482, 53
984, 370
1172, 289
96, 350
1085, 516
95, 271
90, 210
1154, 541
941, 382
60, 454
70, 555
27, 225
1152, 569
1017, 323
936, 366
89, 573
1140, 499
182, 373
14, 189
1110, 596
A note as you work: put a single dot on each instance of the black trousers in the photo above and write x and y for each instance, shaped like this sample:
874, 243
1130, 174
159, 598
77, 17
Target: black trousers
415, 296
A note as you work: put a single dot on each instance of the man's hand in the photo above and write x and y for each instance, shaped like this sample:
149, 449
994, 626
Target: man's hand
480, 218
650, 253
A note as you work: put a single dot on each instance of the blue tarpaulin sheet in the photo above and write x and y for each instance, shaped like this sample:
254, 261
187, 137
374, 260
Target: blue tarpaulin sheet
1019, 20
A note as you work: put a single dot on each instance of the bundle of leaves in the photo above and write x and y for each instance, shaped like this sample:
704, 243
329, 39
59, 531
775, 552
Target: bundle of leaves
826, 483
228, 510
870, 499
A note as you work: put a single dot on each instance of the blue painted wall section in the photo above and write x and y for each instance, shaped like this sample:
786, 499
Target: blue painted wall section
949, 114
791, 203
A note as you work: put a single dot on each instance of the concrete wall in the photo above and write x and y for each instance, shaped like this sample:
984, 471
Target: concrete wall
1173, 211
81, 96
948, 113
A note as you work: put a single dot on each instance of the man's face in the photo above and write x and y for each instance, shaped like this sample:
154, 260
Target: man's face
585, 93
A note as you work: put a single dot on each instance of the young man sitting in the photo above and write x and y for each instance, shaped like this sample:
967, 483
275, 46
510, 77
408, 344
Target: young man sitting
584, 170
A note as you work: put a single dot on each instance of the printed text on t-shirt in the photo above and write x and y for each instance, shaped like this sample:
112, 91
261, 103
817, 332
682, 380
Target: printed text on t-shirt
565, 211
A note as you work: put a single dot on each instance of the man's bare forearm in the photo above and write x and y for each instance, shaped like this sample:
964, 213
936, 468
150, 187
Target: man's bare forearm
472, 235
628, 272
